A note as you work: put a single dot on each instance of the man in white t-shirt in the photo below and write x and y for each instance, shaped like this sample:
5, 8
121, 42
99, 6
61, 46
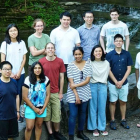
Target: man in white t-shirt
65, 38
110, 29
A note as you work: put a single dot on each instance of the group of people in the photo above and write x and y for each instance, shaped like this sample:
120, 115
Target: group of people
75, 54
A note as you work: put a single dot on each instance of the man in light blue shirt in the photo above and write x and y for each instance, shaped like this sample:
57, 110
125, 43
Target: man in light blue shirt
89, 34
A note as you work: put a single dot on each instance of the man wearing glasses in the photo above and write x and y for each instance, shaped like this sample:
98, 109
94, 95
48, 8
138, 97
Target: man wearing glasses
89, 34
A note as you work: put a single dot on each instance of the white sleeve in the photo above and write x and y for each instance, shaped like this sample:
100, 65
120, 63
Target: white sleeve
136, 62
52, 37
103, 31
24, 47
126, 32
26, 82
77, 37
3, 47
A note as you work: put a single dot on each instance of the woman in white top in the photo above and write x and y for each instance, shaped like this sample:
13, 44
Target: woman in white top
98, 86
13, 49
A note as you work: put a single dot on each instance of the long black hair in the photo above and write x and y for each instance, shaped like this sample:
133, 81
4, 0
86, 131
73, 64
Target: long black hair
32, 76
92, 57
7, 36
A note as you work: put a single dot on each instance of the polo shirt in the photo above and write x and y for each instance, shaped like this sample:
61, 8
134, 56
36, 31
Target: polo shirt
65, 42
89, 38
118, 64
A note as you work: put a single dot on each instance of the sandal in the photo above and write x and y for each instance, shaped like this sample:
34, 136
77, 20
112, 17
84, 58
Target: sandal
95, 133
138, 125
104, 133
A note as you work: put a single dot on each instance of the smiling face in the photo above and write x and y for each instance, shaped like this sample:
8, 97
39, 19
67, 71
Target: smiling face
6, 71
37, 70
118, 42
98, 54
50, 50
39, 26
88, 18
114, 16
78, 55
13, 32
65, 22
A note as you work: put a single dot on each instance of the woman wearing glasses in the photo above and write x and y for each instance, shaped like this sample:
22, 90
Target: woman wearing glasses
98, 85
37, 42
78, 93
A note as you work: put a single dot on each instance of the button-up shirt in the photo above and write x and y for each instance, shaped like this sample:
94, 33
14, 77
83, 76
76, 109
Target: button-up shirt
89, 38
119, 63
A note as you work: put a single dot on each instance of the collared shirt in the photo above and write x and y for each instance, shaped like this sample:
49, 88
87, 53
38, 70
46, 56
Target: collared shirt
65, 42
89, 38
119, 63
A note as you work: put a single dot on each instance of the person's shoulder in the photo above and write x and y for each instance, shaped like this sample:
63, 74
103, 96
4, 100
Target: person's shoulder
80, 28
138, 54
59, 59
42, 59
72, 29
46, 79
14, 81
45, 35
55, 29
122, 23
95, 26
106, 24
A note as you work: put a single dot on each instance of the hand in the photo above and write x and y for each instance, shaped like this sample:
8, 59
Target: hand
120, 83
41, 111
77, 100
18, 115
60, 96
37, 110
72, 86
18, 75
13, 76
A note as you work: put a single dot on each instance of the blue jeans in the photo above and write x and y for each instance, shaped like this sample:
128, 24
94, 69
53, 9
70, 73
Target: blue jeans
75, 110
20, 83
97, 107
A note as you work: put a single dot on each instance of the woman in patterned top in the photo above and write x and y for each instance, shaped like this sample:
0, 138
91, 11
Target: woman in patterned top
36, 94
78, 94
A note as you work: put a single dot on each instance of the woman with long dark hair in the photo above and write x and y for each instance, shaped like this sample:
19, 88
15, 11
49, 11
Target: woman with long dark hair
98, 85
78, 93
13, 49
36, 95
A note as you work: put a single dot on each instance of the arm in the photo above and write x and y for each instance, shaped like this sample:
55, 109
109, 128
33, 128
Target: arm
3, 56
137, 75
61, 85
75, 92
127, 41
47, 99
36, 52
17, 105
21, 67
102, 43
28, 102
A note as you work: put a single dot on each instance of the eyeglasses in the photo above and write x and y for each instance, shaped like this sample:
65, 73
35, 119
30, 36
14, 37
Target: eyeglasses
39, 26
7, 69
89, 17
49, 48
81, 75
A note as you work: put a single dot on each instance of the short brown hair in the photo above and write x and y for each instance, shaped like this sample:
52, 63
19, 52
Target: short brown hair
114, 10
37, 20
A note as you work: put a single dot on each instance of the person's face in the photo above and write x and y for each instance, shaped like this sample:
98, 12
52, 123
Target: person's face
88, 18
118, 42
13, 32
6, 71
50, 50
114, 16
78, 55
39, 27
65, 21
37, 70
98, 53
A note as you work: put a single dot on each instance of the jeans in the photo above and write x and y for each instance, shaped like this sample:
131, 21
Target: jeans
75, 110
97, 107
20, 83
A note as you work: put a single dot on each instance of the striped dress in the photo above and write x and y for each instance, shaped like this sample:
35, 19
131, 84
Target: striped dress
74, 72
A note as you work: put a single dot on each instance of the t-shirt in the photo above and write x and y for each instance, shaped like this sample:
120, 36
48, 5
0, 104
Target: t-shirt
39, 44
65, 42
14, 54
137, 66
118, 64
109, 30
8, 93
52, 70
79, 76
100, 71
37, 92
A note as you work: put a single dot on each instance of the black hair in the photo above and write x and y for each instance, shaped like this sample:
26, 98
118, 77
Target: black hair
67, 14
90, 12
32, 76
78, 48
118, 36
7, 37
4, 63
92, 57
114, 10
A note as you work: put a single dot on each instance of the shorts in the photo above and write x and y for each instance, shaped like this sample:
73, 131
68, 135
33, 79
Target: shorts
115, 93
30, 114
8, 129
53, 109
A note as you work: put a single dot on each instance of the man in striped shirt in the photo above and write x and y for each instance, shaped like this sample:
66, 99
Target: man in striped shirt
89, 34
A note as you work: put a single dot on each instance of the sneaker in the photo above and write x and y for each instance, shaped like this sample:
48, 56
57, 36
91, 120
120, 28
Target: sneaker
104, 133
59, 136
95, 133
51, 137
20, 119
113, 125
124, 124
